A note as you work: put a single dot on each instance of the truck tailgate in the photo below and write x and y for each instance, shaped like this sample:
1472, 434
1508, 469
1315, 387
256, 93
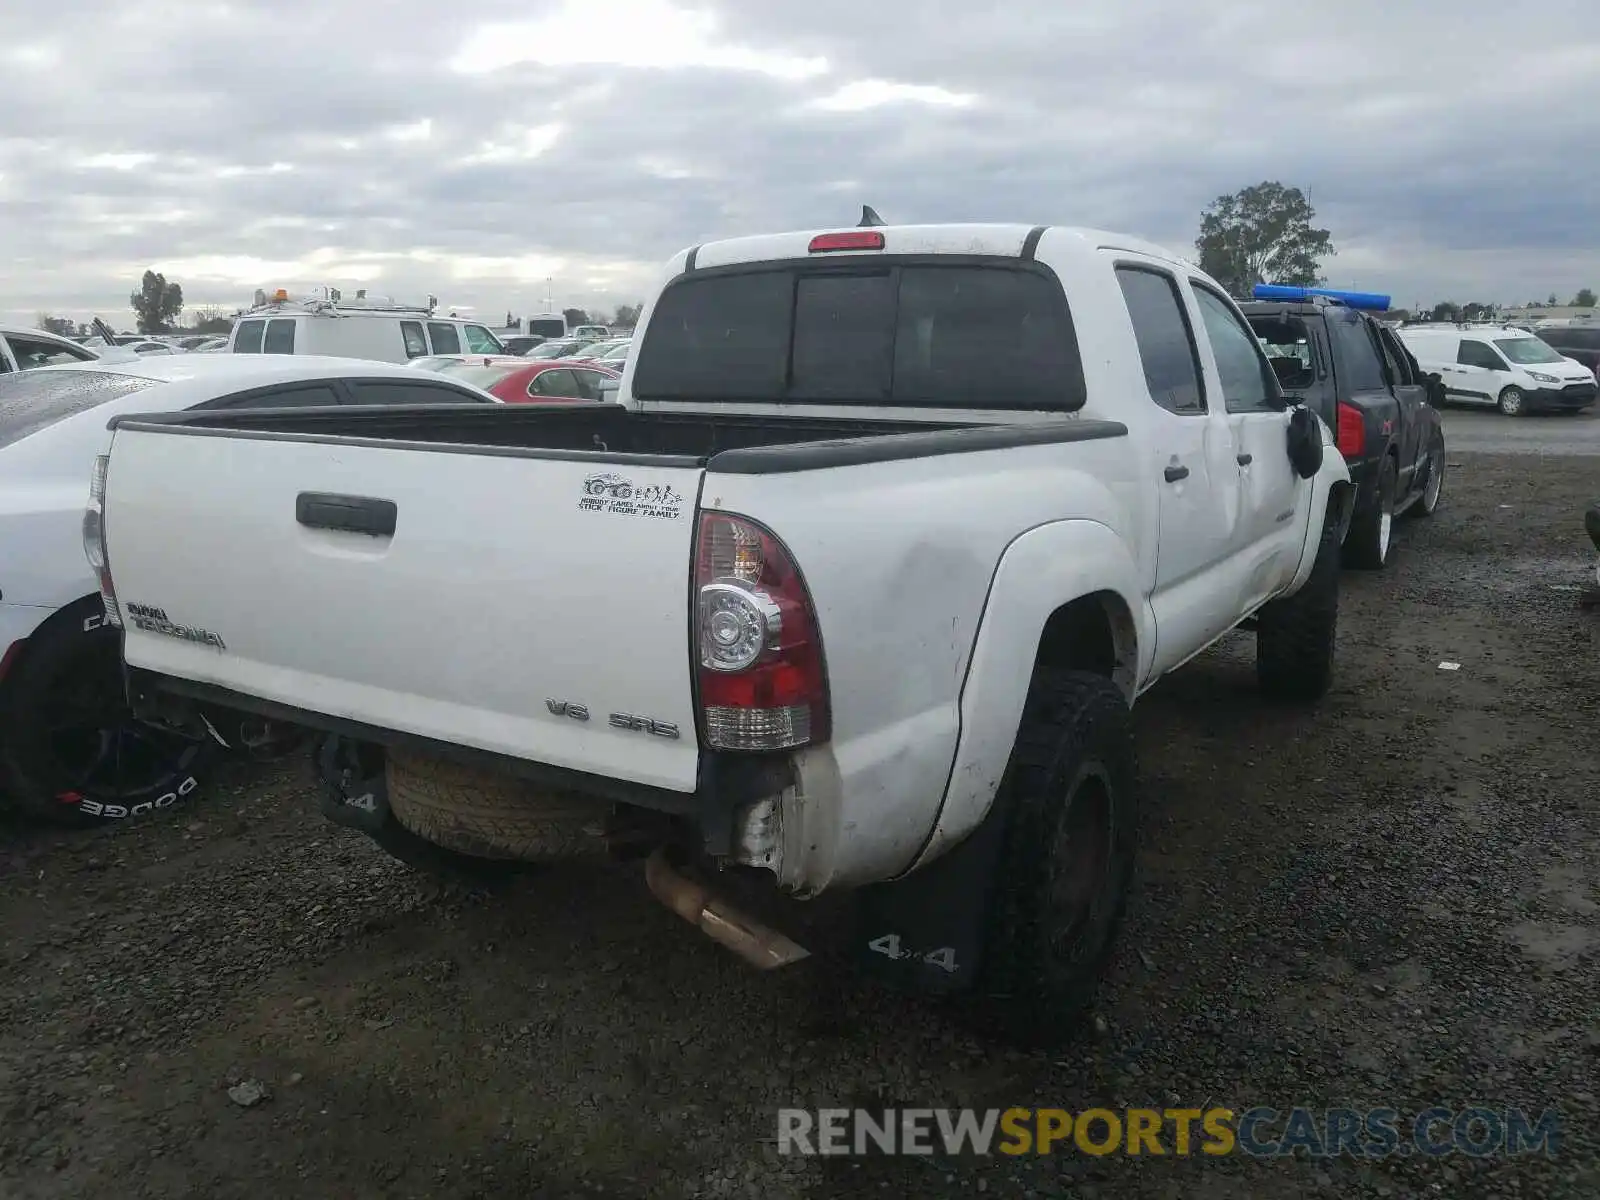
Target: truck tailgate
514, 595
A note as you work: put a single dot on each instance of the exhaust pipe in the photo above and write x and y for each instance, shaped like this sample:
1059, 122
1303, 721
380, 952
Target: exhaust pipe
760, 946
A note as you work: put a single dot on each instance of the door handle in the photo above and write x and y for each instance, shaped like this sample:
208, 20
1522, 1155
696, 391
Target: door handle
349, 514
1246, 459
1174, 474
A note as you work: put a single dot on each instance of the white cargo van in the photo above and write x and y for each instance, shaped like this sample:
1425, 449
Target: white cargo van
359, 328
1508, 368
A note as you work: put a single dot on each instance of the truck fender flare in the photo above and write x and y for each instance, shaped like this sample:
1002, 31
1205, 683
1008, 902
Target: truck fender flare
1042, 570
1333, 498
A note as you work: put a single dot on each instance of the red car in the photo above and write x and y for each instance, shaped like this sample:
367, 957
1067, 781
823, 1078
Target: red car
543, 381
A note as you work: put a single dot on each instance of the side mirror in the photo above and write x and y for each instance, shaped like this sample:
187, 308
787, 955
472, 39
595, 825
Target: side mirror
1305, 442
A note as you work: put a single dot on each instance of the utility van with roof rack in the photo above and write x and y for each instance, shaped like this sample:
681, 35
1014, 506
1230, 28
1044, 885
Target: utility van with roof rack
830, 598
1509, 369
359, 328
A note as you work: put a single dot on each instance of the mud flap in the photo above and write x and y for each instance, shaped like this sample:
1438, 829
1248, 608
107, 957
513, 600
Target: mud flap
925, 931
355, 793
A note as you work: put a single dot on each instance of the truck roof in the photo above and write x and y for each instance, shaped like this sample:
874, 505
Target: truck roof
999, 240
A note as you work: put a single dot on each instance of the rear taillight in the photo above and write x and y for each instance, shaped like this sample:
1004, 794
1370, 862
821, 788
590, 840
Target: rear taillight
758, 651
94, 539
1352, 439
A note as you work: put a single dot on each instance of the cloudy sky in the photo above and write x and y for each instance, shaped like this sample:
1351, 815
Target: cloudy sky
477, 151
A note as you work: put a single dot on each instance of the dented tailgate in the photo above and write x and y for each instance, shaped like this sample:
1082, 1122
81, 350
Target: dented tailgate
530, 606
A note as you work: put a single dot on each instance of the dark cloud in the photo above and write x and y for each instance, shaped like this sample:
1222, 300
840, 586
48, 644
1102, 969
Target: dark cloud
243, 144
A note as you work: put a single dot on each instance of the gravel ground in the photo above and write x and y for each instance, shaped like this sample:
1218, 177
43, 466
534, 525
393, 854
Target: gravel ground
1391, 901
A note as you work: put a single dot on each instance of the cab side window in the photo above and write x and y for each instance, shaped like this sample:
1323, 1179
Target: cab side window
444, 337
1248, 382
1478, 354
1165, 340
247, 339
480, 340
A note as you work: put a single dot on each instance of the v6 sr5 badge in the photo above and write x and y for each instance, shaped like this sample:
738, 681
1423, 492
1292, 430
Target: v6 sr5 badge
613, 493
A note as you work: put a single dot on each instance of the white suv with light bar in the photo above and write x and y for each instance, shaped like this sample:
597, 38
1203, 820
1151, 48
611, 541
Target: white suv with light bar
926, 584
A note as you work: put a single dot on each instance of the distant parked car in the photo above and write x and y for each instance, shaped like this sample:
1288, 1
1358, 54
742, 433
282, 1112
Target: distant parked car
24, 349
551, 381
1579, 342
521, 343
562, 349
593, 332
617, 357
598, 350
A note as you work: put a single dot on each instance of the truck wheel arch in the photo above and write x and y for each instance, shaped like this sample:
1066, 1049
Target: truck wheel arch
1066, 595
80, 611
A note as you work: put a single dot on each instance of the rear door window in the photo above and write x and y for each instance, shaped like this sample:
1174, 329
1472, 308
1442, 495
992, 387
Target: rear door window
1478, 354
912, 333
416, 340
1166, 343
445, 340
41, 352
298, 396
33, 400
589, 383
247, 339
279, 337
404, 391
555, 383
1360, 368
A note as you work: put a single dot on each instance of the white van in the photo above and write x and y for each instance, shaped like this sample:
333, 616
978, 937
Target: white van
1508, 368
357, 328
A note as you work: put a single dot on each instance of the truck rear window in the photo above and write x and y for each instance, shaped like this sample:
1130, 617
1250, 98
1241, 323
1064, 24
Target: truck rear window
930, 335
32, 400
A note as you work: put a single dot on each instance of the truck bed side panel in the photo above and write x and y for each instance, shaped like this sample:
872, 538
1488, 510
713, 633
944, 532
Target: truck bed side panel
900, 558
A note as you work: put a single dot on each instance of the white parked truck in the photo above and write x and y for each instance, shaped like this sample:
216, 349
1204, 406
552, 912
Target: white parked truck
853, 587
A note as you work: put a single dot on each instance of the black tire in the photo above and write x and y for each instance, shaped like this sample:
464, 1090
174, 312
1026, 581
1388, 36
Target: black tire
1433, 482
1512, 402
1295, 636
72, 751
1071, 796
1371, 536
489, 815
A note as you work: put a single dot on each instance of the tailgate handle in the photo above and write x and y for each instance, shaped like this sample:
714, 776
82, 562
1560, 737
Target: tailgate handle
353, 514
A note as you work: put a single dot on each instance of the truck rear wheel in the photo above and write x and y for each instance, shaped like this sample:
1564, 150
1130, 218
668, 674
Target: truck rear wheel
1062, 881
1295, 636
490, 815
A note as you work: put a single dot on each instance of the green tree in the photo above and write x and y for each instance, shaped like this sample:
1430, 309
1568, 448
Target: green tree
1262, 234
157, 303
1584, 298
627, 315
1475, 311
575, 317
1552, 299
1446, 311
56, 325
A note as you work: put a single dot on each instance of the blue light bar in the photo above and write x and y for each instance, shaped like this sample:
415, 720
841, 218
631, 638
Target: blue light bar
1369, 301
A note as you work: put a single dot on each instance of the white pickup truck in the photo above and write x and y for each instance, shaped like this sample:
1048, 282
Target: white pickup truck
855, 584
